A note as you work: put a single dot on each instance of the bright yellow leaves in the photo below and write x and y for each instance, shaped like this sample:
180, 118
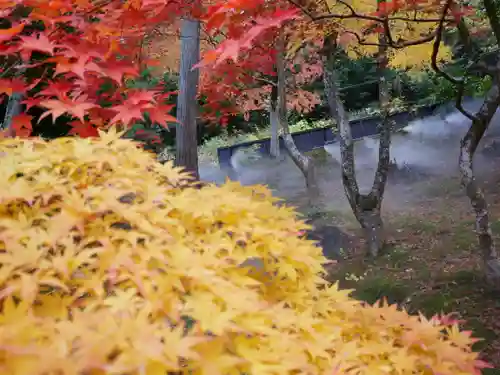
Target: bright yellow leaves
111, 263
411, 25
418, 56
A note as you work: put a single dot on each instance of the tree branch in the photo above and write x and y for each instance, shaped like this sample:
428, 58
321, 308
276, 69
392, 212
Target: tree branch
459, 82
385, 21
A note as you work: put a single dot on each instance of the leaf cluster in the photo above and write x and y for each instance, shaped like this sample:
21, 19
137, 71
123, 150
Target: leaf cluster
111, 263
60, 55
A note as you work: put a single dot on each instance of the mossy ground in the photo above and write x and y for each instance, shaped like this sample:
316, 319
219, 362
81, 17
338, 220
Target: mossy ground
431, 265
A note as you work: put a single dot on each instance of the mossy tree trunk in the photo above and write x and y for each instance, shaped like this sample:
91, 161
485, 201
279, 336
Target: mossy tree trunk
468, 147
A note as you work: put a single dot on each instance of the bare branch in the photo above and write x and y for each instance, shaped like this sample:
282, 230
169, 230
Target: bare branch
263, 79
459, 82
392, 43
303, 9
385, 21
354, 14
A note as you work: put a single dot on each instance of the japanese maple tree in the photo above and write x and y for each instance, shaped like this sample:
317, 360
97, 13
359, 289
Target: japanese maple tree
234, 87
75, 57
244, 80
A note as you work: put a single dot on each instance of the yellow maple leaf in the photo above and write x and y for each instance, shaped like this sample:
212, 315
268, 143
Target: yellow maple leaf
122, 266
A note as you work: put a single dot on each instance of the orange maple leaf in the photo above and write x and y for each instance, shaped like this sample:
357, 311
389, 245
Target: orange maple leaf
7, 34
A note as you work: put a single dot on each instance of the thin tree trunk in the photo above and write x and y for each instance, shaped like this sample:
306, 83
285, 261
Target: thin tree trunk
13, 109
303, 162
186, 130
366, 207
274, 147
384, 90
468, 147
396, 86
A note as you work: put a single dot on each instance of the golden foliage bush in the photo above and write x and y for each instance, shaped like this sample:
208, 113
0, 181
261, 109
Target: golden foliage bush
112, 263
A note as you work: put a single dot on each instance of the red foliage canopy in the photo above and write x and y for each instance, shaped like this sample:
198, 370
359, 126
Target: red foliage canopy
240, 72
78, 48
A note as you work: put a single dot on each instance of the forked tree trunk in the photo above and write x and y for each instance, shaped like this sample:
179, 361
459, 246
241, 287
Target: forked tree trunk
303, 162
274, 147
366, 207
187, 105
468, 147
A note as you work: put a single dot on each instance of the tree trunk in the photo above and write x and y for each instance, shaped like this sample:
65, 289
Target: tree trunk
274, 147
397, 86
303, 162
384, 89
468, 146
13, 109
186, 138
366, 207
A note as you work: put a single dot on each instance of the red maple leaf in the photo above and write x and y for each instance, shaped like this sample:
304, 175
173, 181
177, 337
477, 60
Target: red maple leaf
76, 108
32, 102
59, 89
159, 114
40, 43
83, 130
216, 21
229, 49
10, 86
66, 65
101, 117
126, 114
8, 49
21, 125
134, 107
118, 70
140, 96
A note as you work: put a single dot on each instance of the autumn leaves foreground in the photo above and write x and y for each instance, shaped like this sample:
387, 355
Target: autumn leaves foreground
114, 264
